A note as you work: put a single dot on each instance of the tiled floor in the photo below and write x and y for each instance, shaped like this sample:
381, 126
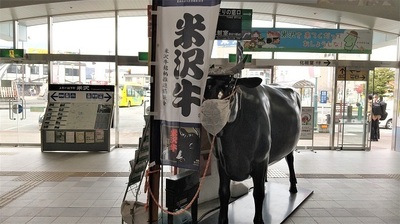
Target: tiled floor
35, 187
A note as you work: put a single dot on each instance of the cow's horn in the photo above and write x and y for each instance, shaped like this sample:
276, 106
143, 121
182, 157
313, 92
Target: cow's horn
229, 71
238, 67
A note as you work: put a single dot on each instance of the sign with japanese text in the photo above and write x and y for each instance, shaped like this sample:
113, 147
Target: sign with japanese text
348, 74
310, 40
307, 123
81, 93
77, 118
234, 24
185, 36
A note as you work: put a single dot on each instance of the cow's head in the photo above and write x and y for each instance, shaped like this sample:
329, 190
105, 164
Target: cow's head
222, 101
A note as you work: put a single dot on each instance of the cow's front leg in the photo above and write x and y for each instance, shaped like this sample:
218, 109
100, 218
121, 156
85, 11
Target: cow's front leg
224, 195
292, 175
258, 175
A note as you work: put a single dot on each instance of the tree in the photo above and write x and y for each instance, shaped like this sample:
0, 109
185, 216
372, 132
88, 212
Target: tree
382, 82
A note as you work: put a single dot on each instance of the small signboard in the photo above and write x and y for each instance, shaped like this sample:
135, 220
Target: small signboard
11, 53
315, 62
323, 97
232, 58
307, 123
234, 24
348, 74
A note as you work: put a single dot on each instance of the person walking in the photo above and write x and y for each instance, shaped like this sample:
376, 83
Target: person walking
375, 115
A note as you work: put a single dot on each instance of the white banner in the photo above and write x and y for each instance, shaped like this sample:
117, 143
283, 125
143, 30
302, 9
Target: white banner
185, 35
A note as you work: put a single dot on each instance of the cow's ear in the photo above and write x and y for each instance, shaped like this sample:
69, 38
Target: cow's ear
249, 82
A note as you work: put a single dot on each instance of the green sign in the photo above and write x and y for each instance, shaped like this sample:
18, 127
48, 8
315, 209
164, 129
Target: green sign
12, 53
232, 58
234, 24
143, 56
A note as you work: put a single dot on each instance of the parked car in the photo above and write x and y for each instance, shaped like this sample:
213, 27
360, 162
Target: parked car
387, 123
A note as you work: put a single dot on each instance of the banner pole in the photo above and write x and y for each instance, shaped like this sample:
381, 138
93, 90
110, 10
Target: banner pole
154, 165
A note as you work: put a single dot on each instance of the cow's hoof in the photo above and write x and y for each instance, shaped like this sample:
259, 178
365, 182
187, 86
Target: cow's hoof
223, 221
258, 221
293, 190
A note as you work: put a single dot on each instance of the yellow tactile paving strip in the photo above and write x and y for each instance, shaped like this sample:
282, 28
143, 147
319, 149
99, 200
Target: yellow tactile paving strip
17, 192
43, 176
33, 179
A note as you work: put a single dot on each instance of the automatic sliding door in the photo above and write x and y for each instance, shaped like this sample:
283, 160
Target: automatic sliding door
22, 100
351, 126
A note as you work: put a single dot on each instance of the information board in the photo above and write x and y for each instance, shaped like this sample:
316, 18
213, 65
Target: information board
78, 118
234, 24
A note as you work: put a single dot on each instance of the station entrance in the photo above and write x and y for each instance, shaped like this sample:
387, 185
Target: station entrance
339, 97
350, 123
22, 102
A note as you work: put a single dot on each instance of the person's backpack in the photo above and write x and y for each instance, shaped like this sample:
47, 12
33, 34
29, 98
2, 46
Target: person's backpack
383, 108
377, 109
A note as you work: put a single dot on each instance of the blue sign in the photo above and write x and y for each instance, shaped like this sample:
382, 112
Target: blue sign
324, 97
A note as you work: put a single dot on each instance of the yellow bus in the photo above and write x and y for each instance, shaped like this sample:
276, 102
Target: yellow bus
131, 94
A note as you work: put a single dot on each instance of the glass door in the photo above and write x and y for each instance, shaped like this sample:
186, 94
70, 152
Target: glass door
351, 124
23, 99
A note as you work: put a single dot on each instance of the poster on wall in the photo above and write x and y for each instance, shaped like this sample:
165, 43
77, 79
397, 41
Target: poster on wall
184, 44
310, 40
307, 123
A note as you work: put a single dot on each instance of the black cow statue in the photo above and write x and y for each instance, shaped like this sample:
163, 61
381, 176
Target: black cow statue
262, 127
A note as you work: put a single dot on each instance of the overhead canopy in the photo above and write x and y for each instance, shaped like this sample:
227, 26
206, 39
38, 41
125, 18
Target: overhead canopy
303, 84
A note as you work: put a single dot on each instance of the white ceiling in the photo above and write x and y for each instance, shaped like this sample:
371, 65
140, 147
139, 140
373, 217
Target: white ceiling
386, 19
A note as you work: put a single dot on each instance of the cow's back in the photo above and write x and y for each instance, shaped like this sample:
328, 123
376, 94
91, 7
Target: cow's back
285, 120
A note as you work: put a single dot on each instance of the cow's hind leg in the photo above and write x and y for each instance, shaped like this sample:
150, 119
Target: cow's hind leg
224, 195
258, 176
292, 176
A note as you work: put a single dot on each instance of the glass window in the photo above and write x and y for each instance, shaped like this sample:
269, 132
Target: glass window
132, 35
36, 36
14, 69
34, 70
6, 35
134, 74
96, 73
384, 47
93, 36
